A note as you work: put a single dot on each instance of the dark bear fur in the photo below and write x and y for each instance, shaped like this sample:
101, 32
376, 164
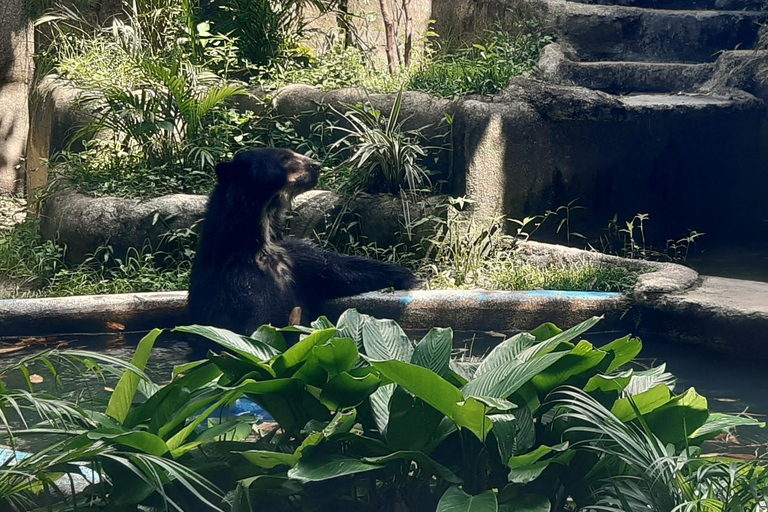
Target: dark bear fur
244, 276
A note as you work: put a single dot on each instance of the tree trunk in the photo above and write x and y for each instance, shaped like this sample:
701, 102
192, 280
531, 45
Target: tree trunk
343, 22
389, 31
408, 33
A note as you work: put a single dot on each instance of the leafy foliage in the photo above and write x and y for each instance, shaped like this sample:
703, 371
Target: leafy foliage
368, 420
482, 68
464, 253
385, 157
39, 268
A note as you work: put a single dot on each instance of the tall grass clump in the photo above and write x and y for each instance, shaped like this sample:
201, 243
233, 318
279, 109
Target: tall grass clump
484, 67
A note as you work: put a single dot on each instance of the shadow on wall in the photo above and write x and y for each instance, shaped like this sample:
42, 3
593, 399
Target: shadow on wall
688, 169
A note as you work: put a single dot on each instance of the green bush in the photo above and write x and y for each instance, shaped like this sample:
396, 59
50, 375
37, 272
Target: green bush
483, 68
370, 421
33, 267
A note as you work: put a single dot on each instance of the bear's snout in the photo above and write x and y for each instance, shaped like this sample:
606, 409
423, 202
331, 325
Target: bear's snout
303, 173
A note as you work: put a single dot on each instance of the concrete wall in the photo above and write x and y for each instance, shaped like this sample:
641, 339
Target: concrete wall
16, 72
455, 21
367, 27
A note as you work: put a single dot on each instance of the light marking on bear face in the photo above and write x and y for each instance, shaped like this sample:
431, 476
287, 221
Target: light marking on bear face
302, 173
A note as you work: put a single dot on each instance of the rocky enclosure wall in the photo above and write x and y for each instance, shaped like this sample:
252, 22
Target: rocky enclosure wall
16, 73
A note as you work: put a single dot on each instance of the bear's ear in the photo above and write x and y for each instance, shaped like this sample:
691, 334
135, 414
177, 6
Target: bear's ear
224, 170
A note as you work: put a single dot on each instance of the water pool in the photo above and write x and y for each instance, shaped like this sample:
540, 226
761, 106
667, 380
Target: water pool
731, 385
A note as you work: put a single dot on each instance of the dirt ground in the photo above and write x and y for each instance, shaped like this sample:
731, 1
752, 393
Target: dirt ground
13, 210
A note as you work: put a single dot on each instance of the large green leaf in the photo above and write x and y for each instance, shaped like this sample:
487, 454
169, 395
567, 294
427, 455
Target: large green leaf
343, 390
621, 351
582, 359
545, 331
384, 340
122, 398
337, 356
268, 459
528, 467
645, 380
327, 467
434, 351
298, 353
608, 383
606, 389
526, 431
425, 464
505, 380
438, 393
718, 423
235, 368
380, 405
505, 432
241, 345
505, 352
411, 421
674, 421
270, 336
161, 408
350, 325
143, 442
566, 336
645, 403
456, 500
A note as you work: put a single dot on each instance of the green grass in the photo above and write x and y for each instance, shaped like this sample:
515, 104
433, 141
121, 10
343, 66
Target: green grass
513, 274
32, 267
485, 67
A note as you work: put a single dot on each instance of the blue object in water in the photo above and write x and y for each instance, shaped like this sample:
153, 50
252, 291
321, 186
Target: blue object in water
244, 407
241, 407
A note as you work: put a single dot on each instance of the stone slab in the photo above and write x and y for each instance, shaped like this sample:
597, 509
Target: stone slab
85, 223
622, 77
618, 33
721, 5
729, 315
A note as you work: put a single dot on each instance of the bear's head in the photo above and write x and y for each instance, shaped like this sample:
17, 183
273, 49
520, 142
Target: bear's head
269, 172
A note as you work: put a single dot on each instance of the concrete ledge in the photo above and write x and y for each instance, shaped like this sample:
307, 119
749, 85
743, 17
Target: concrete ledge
482, 310
729, 315
462, 310
89, 313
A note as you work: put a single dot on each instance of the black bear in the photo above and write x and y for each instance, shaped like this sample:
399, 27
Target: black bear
245, 275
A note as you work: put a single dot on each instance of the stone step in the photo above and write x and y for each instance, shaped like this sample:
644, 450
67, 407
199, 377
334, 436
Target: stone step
621, 77
617, 33
629, 77
718, 5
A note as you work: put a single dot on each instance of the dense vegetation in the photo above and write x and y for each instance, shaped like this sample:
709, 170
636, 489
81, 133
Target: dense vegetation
366, 420
169, 89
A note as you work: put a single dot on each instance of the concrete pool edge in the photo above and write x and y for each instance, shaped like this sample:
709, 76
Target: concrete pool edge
728, 315
459, 309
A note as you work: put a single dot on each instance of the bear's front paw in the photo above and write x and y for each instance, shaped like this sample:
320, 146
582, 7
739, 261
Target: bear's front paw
408, 281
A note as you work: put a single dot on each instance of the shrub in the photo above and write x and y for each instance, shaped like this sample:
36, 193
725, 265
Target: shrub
38, 268
367, 420
483, 68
